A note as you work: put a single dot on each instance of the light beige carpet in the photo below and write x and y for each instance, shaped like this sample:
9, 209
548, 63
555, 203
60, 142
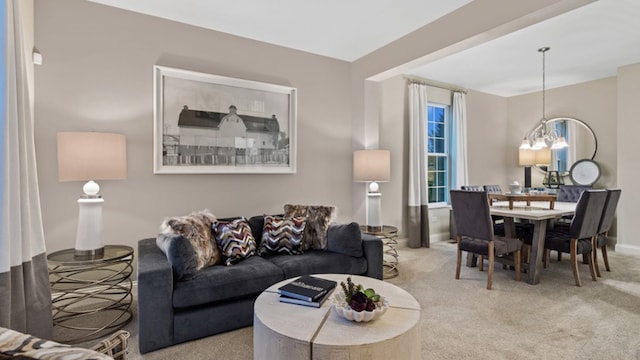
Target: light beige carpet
514, 320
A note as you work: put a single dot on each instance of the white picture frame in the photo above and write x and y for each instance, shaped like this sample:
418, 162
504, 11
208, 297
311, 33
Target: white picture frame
212, 124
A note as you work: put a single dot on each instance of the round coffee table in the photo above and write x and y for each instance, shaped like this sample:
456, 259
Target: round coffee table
289, 331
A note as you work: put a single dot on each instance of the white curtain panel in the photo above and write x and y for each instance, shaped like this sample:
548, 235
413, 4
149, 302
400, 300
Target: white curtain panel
461, 174
418, 212
25, 295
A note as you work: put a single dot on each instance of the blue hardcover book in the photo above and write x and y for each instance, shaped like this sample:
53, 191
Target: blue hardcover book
317, 303
307, 288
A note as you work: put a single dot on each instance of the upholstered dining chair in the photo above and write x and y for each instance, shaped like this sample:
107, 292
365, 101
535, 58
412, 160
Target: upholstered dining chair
582, 232
613, 196
472, 188
524, 230
571, 193
492, 189
568, 193
475, 232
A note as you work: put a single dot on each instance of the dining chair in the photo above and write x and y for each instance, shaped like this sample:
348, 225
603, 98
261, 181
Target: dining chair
613, 196
582, 232
472, 188
492, 189
568, 193
524, 230
475, 232
571, 193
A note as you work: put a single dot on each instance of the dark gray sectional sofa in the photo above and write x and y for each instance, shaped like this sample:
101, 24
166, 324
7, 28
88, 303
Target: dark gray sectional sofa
220, 298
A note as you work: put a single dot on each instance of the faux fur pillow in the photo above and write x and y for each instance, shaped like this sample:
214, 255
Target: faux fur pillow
318, 218
195, 227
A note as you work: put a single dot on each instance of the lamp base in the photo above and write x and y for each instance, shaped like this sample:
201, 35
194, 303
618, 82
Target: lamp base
374, 211
89, 235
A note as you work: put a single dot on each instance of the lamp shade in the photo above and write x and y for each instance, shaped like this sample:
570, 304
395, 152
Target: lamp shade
526, 157
91, 156
543, 156
371, 165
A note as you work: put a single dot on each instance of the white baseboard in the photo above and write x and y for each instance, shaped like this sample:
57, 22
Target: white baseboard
444, 236
432, 238
627, 249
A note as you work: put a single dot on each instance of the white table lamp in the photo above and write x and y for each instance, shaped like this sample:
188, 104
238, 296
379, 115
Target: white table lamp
89, 156
372, 166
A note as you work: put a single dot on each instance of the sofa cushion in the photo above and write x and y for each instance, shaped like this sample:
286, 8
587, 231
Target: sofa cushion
195, 227
180, 254
257, 225
345, 239
318, 262
282, 235
234, 239
225, 283
318, 219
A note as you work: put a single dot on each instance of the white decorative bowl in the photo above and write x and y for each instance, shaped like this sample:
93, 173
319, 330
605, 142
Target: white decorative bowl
343, 309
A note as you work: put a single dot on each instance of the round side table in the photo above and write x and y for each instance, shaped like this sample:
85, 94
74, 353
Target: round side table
91, 294
389, 237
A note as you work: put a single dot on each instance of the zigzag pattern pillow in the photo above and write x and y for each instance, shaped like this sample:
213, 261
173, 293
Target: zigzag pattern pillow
234, 239
282, 235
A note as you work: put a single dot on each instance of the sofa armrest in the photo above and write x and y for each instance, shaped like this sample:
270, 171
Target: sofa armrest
372, 247
155, 297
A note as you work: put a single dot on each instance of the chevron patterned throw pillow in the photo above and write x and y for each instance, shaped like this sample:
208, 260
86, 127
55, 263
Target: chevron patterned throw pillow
234, 239
282, 235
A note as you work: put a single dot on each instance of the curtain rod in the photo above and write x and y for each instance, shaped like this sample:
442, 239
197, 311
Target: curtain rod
433, 83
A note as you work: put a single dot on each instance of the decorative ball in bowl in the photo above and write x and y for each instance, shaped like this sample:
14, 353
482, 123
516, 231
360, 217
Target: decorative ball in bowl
343, 309
356, 303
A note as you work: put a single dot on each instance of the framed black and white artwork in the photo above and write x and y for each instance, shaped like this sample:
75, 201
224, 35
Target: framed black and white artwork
211, 124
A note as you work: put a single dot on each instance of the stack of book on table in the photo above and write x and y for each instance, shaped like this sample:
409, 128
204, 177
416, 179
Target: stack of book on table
307, 290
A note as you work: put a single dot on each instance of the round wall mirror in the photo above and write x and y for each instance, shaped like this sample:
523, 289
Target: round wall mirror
580, 138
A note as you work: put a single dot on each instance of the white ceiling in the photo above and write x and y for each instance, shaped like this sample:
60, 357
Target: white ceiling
588, 43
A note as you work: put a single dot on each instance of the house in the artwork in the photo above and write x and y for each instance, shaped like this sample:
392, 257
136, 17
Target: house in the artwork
214, 138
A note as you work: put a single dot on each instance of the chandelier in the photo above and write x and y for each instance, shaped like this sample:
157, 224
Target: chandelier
543, 138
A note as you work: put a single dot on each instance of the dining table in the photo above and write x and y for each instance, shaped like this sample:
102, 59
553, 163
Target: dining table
539, 214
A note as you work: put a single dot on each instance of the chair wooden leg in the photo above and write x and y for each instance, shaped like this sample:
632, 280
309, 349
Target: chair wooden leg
459, 261
491, 261
594, 255
574, 261
516, 260
592, 266
481, 264
559, 256
605, 257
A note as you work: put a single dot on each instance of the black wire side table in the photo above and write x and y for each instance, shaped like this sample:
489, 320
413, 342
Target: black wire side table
91, 294
389, 237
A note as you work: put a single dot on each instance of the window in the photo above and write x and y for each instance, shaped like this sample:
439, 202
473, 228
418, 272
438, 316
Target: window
561, 155
438, 173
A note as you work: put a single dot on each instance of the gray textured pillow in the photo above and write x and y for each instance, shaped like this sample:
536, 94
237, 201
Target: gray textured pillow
180, 254
345, 239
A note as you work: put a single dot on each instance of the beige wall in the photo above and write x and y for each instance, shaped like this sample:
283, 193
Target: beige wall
97, 76
628, 128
